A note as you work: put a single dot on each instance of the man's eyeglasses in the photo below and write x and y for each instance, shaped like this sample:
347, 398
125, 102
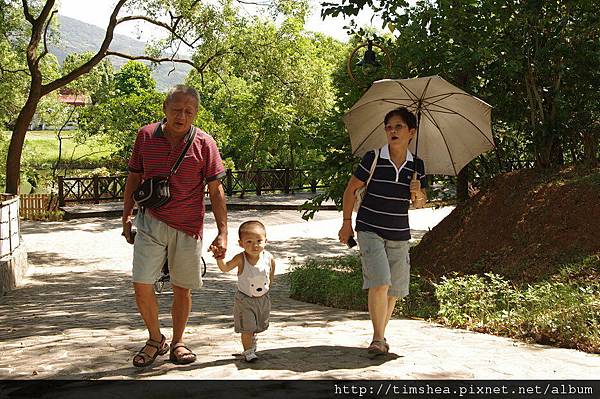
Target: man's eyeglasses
396, 128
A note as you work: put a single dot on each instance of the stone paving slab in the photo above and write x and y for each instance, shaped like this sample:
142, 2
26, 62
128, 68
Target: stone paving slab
76, 319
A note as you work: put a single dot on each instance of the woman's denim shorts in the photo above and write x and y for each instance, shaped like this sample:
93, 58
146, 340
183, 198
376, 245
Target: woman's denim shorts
384, 262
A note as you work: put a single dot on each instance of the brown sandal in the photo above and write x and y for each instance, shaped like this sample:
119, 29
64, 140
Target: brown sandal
161, 348
379, 347
184, 358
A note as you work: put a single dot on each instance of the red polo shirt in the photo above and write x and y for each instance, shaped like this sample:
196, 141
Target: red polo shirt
153, 156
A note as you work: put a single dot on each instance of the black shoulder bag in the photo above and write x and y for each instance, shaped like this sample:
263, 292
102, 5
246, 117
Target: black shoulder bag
154, 192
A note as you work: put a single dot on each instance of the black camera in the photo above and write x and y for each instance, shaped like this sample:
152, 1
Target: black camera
351, 242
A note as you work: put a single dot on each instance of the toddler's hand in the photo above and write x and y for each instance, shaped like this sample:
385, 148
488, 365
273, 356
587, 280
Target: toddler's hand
218, 253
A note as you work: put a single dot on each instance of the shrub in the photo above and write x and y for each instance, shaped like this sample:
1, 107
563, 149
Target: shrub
561, 313
335, 282
475, 301
564, 310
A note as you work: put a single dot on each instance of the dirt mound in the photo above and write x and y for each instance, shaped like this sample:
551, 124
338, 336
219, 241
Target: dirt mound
523, 227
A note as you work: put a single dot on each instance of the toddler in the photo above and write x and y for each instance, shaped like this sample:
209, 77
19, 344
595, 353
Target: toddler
255, 271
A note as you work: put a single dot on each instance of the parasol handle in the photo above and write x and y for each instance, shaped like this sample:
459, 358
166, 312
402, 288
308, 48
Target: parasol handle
418, 126
416, 197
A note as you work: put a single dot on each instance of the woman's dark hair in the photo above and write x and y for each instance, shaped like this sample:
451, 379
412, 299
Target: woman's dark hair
408, 117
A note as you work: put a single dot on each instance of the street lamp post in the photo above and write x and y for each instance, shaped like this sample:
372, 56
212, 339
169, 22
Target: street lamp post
369, 61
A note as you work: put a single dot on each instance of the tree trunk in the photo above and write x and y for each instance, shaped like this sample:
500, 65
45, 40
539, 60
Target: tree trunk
557, 156
13, 160
462, 180
462, 184
590, 140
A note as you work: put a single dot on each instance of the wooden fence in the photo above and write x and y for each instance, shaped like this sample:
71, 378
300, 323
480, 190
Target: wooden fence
39, 207
270, 180
90, 189
110, 188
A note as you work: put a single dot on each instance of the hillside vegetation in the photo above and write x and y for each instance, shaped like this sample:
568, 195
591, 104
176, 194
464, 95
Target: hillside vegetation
523, 227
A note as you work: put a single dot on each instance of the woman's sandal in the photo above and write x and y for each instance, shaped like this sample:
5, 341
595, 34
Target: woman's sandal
184, 358
379, 347
161, 348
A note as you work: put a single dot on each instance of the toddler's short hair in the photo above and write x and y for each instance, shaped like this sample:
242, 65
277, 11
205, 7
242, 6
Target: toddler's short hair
248, 225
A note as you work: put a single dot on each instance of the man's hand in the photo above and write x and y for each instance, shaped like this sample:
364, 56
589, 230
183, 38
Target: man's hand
219, 246
127, 229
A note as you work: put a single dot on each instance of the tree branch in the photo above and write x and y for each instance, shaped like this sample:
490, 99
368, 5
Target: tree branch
86, 67
203, 66
170, 28
46, 37
148, 58
222, 81
27, 14
5, 70
37, 26
255, 3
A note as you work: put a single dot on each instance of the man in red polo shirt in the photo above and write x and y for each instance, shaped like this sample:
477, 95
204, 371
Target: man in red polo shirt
174, 230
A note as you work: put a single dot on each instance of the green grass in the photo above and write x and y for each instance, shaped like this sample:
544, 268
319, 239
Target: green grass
563, 310
41, 149
40, 153
335, 282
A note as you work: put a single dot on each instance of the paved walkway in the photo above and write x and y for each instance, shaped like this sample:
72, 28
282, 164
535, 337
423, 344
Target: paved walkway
76, 318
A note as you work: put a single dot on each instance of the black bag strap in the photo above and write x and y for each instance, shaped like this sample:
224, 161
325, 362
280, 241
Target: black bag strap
182, 155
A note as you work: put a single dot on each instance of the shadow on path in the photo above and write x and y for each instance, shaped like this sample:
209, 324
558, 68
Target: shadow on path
302, 247
104, 300
296, 359
41, 260
310, 358
92, 225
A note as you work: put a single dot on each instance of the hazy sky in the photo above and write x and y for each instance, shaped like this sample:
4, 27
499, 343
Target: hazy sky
97, 12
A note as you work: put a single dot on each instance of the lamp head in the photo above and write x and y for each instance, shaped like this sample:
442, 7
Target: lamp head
369, 58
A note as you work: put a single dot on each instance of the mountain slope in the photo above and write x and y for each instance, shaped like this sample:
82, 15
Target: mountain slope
77, 36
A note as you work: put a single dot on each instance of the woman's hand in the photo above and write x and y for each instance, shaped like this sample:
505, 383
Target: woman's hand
415, 186
346, 232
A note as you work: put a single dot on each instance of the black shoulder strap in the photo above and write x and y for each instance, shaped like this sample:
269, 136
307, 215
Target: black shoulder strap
182, 155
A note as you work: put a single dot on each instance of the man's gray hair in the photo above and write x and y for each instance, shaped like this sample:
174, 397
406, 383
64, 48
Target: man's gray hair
182, 89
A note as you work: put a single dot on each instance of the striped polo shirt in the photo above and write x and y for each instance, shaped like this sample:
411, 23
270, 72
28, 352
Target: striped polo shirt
152, 155
384, 209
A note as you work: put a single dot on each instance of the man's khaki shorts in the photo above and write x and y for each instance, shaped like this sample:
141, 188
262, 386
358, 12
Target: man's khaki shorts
251, 314
384, 262
156, 241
